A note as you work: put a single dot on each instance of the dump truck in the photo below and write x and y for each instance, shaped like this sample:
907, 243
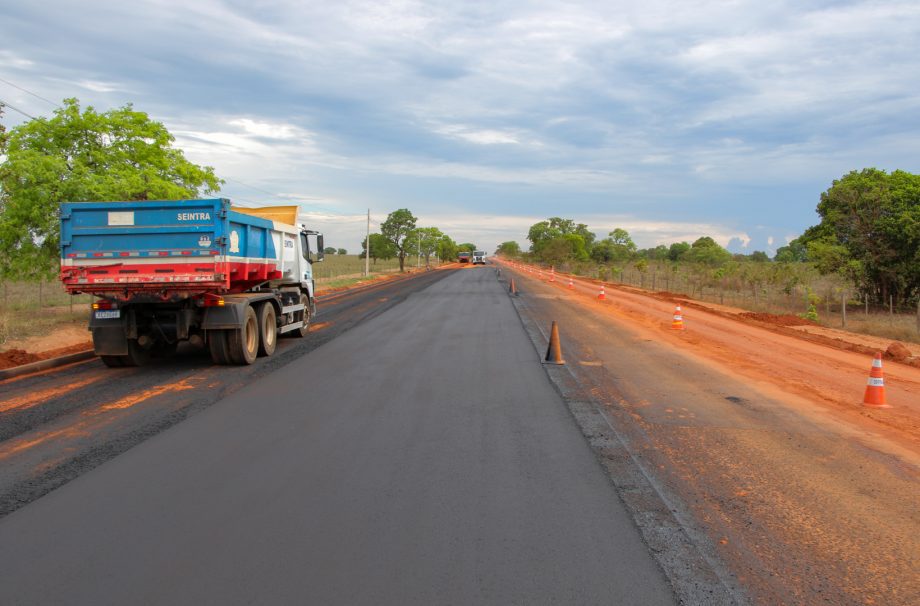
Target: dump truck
231, 279
463, 257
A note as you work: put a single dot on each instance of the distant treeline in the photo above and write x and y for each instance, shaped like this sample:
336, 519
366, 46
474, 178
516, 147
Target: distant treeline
868, 237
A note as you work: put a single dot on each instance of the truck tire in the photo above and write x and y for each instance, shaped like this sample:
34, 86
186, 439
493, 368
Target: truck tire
306, 316
114, 361
268, 329
217, 344
137, 355
243, 342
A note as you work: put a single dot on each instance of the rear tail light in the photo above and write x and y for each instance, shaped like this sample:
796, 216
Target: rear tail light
104, 304
209, 300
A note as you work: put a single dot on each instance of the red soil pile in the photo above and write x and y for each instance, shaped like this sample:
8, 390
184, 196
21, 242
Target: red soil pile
17, 357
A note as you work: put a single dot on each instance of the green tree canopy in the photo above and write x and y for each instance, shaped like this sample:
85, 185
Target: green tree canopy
424, 241
83, 155
399, 224
447, 248
874, 219
617, 247
545, 233
381, 248
677, 250
509, 249
341, 251
707, 251
795, 251
466, 247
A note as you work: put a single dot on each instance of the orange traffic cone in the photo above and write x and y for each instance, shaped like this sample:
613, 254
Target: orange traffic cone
571, 285
601, 296
552, 274
678, 322
554, 350
875, 386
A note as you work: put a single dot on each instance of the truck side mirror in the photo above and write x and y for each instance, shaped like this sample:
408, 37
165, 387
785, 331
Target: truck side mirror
320, 254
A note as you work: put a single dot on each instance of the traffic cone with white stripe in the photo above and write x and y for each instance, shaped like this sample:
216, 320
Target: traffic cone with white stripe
571, 284
678, 322
875, 386
601, 296
552, 274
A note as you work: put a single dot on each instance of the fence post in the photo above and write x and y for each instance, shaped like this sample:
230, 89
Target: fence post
843, 308
867, 304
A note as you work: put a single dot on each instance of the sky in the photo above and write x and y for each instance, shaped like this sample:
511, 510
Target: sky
670, 119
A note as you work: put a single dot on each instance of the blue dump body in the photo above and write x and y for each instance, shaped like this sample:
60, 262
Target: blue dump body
175, 242
142, 228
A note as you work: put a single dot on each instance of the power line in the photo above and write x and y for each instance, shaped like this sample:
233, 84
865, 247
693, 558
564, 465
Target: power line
25, 90
5, 104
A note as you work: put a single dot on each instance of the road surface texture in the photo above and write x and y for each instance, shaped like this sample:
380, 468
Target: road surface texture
756, 439
422, 457
58, 424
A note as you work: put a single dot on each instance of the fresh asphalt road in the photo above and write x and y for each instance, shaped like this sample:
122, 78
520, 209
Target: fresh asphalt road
422, 457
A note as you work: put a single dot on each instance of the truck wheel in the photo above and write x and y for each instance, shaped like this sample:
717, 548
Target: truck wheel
268, 329
114, 361
137, 355
303, 330
217, 344
244, 342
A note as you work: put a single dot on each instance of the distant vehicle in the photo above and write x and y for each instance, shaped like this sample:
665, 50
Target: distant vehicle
479, 257
463, 257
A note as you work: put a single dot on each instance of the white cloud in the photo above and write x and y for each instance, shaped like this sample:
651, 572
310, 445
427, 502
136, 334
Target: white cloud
270, 130
13, 60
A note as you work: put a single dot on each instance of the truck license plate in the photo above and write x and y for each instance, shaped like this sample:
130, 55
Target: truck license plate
106, 314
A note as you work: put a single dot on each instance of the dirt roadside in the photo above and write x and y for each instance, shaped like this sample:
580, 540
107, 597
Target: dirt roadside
758, 430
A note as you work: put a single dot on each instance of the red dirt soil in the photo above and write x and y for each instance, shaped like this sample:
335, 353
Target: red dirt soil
18, 357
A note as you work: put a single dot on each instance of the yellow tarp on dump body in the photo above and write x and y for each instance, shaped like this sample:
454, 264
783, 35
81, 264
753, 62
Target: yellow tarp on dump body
280, 214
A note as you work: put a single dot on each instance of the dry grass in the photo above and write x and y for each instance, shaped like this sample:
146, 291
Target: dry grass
336, 266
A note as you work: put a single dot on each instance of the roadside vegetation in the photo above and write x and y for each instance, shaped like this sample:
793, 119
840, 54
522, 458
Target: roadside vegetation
859, 268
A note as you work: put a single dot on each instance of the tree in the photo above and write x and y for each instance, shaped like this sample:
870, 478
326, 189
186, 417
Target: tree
677, 250
466, 247
588, 236
329, 250
707, 251
546, 233
381, 248
873, 220
447, 248
659, 253
617, 247
398, 225
341, 251
424, 241
81, 155
795, 251
509, 249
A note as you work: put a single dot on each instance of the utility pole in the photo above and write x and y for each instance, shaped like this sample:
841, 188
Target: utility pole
367, 247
